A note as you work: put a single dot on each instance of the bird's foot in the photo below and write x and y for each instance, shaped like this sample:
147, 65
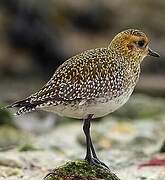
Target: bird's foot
101, 163
96, 162
49, 175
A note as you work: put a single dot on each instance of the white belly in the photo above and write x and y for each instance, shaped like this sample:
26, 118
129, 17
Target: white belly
98, 107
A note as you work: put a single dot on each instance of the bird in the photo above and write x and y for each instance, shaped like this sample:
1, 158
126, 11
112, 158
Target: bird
93, 84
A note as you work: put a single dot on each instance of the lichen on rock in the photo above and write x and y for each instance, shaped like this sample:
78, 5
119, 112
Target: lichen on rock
80, 170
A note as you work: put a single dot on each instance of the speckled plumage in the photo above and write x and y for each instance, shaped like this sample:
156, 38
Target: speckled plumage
97, 81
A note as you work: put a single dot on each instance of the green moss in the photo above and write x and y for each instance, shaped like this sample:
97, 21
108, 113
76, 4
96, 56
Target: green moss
81, 170
27, 147
5, 117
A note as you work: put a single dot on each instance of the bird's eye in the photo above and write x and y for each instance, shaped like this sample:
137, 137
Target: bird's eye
141, 43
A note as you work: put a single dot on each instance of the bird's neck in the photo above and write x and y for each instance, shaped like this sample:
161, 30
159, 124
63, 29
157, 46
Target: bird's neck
130, 58
129, 62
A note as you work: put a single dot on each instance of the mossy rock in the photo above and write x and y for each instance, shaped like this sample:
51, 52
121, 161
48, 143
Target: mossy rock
27, 147
5, 117
11, 137
80, 170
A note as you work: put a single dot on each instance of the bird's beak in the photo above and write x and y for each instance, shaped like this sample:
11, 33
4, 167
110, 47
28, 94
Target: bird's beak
153, 53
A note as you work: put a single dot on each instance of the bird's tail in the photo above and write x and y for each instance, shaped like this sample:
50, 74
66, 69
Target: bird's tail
24, 106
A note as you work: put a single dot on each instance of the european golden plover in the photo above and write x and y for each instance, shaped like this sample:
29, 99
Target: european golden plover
93, 84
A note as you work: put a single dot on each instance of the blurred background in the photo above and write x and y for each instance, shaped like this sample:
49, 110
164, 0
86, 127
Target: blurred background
37, 36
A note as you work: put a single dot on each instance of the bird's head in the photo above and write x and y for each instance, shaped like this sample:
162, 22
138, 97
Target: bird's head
132, 44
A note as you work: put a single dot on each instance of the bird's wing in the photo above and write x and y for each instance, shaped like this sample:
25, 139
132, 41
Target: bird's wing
82, 77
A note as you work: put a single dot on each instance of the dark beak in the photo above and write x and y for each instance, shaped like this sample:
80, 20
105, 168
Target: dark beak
153, 53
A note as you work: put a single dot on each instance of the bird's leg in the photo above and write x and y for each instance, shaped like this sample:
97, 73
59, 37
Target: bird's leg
95, 157
91, 155
86, 129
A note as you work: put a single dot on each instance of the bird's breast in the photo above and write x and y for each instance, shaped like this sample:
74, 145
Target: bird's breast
98, 106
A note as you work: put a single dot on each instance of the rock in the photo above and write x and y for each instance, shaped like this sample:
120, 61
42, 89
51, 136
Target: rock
12, 163
11, 137
7, 172
162, 149
81, 170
